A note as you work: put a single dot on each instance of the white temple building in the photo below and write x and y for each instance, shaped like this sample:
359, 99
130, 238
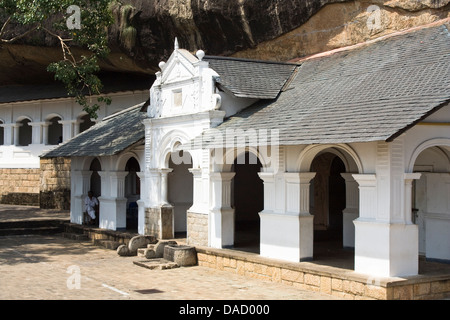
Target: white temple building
353, 146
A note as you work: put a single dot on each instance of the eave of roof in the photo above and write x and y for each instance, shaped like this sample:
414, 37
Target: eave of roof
109, 137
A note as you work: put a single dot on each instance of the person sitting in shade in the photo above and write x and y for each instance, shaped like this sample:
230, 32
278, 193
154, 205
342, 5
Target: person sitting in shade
90, 204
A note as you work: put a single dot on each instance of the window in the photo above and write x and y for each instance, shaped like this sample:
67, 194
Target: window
85, 123
25, 132
54, 131
177, 98
2, 134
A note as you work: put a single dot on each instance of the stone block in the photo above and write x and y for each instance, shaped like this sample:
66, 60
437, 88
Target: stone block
313, 280
181, 254
159, 247
139, 242
123, 251
292, 276
325, 285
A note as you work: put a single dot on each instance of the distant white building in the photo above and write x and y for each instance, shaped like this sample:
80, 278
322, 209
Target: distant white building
35, 119
352, 146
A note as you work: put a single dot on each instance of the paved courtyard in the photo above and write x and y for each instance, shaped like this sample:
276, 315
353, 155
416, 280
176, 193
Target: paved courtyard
52, 267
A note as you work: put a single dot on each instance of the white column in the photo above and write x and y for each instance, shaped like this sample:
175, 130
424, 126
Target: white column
80, 184
351, 211
197, 190
39, 132
113, 212
222, 215
8, 133
288, 235
409, 178
385, 248
67, 129
164, 185
153, 182
16, 127
142, 202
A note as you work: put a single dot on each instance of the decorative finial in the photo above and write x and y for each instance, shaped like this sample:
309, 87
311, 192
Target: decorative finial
176, 43
200, 54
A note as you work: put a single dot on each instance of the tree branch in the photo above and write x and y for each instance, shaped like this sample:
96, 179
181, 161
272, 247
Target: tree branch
20, 36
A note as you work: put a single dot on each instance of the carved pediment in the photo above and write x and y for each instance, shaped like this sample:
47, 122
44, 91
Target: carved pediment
179, 67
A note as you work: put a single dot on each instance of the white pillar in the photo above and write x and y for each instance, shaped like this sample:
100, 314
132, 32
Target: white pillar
164, 185
80, 184
351, 211
16, 127
113, 203
8, 133
68, 129
222, 215
197, 190
141, 203
383, 247
288, 235
39, 132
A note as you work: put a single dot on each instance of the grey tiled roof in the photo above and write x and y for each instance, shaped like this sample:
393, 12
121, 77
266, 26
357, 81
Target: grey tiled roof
371, 93
108, 137
251, 78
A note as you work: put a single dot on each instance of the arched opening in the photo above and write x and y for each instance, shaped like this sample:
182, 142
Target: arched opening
430, 204
180, 189
248, 201
85, 123
132, 192
327, 201
54, 131
96, 185
25, 132
2, 134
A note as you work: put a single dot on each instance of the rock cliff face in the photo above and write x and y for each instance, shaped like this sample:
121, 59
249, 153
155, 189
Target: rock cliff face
144, 31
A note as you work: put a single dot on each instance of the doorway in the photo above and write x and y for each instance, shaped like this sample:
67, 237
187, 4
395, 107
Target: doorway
248, 201
180, 190
328, 200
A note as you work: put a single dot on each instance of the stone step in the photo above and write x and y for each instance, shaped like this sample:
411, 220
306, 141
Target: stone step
30, 230
160, 264
75, 236
147, 253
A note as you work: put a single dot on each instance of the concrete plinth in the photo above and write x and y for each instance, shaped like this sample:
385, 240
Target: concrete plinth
386, 249
159, 222
286, 236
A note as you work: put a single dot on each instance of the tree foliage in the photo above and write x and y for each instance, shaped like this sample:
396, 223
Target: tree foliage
77, 71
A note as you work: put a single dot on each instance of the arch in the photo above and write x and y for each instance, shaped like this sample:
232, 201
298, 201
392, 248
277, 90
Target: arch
169, 144
21, 118
132, 192
54, 129
121, 163
53, 115
24, 131
230, 156
437, 142
344, 152
86, 163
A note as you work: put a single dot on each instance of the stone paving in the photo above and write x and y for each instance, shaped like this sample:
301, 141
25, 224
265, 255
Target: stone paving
55, 268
